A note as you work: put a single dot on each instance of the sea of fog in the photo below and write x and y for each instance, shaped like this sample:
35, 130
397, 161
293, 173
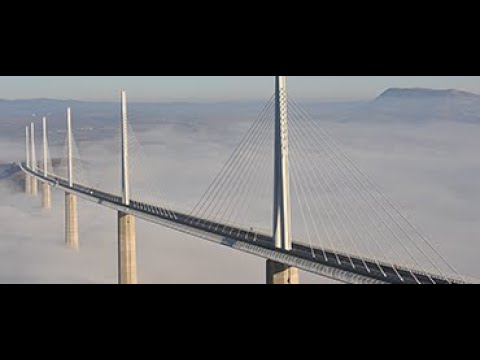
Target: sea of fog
430, 168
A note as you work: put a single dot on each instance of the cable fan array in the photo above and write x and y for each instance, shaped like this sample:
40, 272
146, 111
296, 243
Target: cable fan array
240, 195
145, 184
80, 173
343, 211
336, 207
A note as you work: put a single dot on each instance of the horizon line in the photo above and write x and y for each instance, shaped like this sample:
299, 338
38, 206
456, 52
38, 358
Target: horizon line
187, 100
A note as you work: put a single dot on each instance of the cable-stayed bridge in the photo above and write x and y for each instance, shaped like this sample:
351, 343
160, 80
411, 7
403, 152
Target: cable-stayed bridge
329, 217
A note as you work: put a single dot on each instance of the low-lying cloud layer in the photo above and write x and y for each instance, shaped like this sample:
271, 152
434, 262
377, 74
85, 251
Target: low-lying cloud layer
431, 169
183, 162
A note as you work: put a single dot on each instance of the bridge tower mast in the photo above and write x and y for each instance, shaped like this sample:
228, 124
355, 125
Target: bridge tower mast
71, 213
46, 199
127, 254
33, 159
28, 180
278, 273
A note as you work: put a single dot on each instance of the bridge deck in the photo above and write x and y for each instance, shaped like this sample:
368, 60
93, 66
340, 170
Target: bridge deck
342, 267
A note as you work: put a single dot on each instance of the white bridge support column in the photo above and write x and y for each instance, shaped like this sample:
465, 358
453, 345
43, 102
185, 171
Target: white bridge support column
46, 198
33, 160
28, 180
279, 273
71, 214
127, 253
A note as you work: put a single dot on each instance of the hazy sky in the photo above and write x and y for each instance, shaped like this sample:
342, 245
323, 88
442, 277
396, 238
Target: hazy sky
161, 88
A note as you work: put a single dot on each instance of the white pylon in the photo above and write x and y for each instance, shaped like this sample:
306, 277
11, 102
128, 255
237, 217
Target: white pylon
281, 208
33, 159
125, 172
28, 180
69, 148
27, 145
46, 194
45, 148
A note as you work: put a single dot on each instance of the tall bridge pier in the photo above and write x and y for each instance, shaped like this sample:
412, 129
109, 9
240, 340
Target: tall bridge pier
278, 273
71, 213
127, 253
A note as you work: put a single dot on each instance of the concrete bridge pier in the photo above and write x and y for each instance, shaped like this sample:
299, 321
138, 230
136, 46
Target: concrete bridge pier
127, 254
47, 196
33, 186
281, 274
71, 222
28, 184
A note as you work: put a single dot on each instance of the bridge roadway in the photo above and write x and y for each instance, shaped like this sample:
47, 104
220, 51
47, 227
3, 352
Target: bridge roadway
341, 267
